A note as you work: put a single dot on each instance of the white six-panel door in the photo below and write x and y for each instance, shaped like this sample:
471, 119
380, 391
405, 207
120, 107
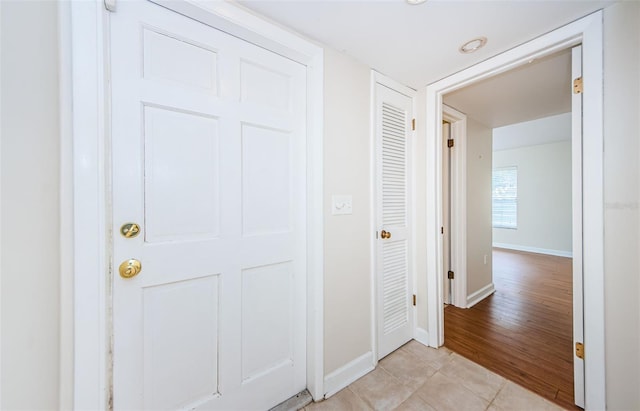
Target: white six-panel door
394, 113
208, 157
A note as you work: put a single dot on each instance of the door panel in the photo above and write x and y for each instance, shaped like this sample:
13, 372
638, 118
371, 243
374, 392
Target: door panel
394, 113
267, 334
175, 59
169, 162
266, 182
165, 329
209, 158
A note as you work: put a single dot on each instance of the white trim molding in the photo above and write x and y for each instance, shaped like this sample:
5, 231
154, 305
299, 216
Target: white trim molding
588, 32
1, 203
481, 294
380, 78
593, 212
90, 247
315, 224
537, 250
577, 226
422, 336
348, 373
90, 127
458, 205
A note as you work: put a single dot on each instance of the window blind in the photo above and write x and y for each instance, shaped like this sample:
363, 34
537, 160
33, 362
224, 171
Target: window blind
504, 196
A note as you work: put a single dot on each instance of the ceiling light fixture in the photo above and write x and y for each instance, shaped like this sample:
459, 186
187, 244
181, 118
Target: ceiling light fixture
414, 2
473, 45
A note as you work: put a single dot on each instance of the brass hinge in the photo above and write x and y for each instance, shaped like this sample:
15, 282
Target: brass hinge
580, 350
413, 124
414, 300
450, 275
450, 143
577, 86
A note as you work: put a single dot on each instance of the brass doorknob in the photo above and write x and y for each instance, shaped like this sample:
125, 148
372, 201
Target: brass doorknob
130, 268
385, 234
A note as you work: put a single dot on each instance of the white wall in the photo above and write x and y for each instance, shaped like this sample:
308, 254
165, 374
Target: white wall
530, 133
479, 143
621, 218
544, 198
30, 211
347, 241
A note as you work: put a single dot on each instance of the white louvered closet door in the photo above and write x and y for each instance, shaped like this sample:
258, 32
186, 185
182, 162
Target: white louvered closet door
393, 275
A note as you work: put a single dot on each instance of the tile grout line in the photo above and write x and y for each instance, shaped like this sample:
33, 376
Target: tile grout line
504, 384
365, 402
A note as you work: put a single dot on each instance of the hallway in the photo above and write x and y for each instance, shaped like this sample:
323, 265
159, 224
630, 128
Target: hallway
420, 378
524, 330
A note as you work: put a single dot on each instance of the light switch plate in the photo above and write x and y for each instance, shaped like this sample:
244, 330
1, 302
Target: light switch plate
341, 205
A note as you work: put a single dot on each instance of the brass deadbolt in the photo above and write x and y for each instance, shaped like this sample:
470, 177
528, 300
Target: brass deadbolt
130, 268
130, 230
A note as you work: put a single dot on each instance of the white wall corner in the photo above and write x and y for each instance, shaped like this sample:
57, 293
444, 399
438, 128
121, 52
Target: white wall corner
481, 294
348, 373
422, 336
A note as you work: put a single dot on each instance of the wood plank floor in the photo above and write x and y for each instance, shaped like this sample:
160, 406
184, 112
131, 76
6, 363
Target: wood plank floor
524, 330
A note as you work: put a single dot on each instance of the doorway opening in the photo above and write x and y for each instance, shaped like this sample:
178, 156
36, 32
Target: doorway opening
587, 32
519, 191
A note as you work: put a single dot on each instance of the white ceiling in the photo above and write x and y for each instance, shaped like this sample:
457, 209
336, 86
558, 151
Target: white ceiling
539, 89
417, 45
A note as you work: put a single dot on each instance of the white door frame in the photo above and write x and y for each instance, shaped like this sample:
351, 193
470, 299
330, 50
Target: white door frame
576, 224
92, 383
588, 32
458, 205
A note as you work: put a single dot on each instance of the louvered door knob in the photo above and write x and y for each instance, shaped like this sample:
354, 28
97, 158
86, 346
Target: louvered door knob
385, 234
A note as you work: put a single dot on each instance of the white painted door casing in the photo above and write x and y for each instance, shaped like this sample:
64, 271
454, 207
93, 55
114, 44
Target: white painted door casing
588, 32
457, 211
209, 158
576, 223
446, 215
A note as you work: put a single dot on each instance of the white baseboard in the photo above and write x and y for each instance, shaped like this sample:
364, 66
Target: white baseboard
480, 295
347, 374
421, 335
536, 250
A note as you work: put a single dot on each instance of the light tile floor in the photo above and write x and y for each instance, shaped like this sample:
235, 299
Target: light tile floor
419, 378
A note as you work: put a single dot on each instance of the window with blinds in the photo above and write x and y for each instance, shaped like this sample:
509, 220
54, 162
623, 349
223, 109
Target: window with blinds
504, 197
